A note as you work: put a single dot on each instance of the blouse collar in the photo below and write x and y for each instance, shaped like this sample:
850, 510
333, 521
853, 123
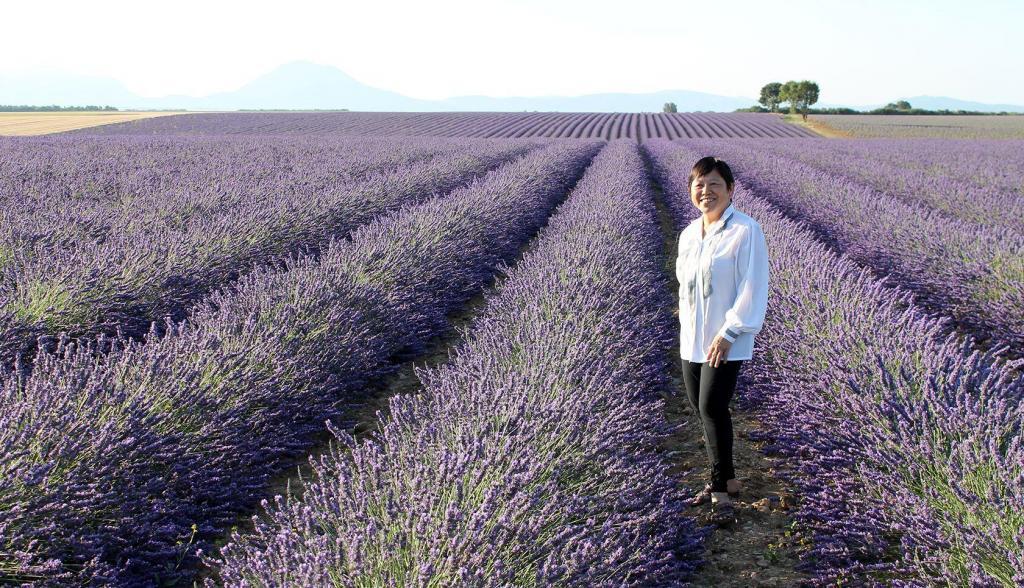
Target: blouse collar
721, 222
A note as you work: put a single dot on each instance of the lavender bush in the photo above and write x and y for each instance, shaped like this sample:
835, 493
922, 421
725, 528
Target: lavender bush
531, 458
159, 267
906, 442
118, 468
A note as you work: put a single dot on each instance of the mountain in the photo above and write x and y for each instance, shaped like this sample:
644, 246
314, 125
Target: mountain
310, 86
945, 103
685, 100
937, 103
47, 88
305, 85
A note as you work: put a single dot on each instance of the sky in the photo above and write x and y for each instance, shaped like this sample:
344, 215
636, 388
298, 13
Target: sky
858, 51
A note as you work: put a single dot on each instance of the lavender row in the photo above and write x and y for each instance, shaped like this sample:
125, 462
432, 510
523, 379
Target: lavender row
905, 442
118, 468
889, 167
530, 459
899, 431
125, 284
973, 274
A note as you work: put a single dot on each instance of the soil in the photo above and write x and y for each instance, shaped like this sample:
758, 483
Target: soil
760, 545
818, 126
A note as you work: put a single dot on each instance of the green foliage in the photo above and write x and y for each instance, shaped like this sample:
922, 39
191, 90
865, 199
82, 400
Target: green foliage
898, 105
789, 93
799, 95
669, 107
770, 96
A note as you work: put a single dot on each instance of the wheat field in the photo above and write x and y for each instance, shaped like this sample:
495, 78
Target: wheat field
42, 123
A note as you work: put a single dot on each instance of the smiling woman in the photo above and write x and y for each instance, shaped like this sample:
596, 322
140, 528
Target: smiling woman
722, 268
43, 123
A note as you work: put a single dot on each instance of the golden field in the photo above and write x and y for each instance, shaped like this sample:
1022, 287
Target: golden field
42, 123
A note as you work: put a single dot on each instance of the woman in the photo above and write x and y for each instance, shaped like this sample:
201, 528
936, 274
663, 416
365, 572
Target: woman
723, 292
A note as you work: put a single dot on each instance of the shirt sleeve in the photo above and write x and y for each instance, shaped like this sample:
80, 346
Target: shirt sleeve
747, 313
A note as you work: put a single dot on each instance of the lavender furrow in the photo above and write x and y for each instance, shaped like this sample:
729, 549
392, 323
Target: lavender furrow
126, 284
531, 458
906, 442
118, 468
973, 275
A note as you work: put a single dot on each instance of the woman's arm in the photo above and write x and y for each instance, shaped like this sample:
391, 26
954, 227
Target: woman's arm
747, 312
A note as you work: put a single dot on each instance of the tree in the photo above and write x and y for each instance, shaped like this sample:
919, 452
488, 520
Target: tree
898, 105
808, 92
800, 95
770, 96
789, 92
669, 107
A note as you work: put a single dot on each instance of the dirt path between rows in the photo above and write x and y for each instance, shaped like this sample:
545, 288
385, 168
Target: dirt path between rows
817, 126
760, 546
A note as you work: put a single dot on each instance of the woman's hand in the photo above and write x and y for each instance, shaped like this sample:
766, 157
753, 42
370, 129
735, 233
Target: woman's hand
719, 351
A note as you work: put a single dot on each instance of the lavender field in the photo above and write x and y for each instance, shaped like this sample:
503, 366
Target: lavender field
193, 307
570, 125
896, 126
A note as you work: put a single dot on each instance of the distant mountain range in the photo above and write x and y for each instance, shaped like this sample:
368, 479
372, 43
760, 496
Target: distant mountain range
305, 85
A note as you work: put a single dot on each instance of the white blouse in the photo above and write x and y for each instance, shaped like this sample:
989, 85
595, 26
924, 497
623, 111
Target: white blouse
723, 285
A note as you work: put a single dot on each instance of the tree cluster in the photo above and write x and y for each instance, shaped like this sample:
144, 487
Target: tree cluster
669, 107
799, 95
897, 107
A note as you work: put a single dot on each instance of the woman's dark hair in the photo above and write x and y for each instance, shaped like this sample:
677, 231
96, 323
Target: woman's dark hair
709, 164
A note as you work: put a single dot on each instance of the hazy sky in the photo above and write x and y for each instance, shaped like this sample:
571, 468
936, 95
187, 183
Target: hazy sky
859, 51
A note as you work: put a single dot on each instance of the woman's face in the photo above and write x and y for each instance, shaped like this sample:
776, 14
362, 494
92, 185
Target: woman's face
710, 195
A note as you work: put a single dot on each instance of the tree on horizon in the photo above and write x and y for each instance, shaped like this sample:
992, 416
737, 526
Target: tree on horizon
799, 95
770, 96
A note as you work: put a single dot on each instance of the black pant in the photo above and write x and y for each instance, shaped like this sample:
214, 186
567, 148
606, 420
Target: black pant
710, 390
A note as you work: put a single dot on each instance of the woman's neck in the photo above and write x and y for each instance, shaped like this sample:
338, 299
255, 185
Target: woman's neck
712, 218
